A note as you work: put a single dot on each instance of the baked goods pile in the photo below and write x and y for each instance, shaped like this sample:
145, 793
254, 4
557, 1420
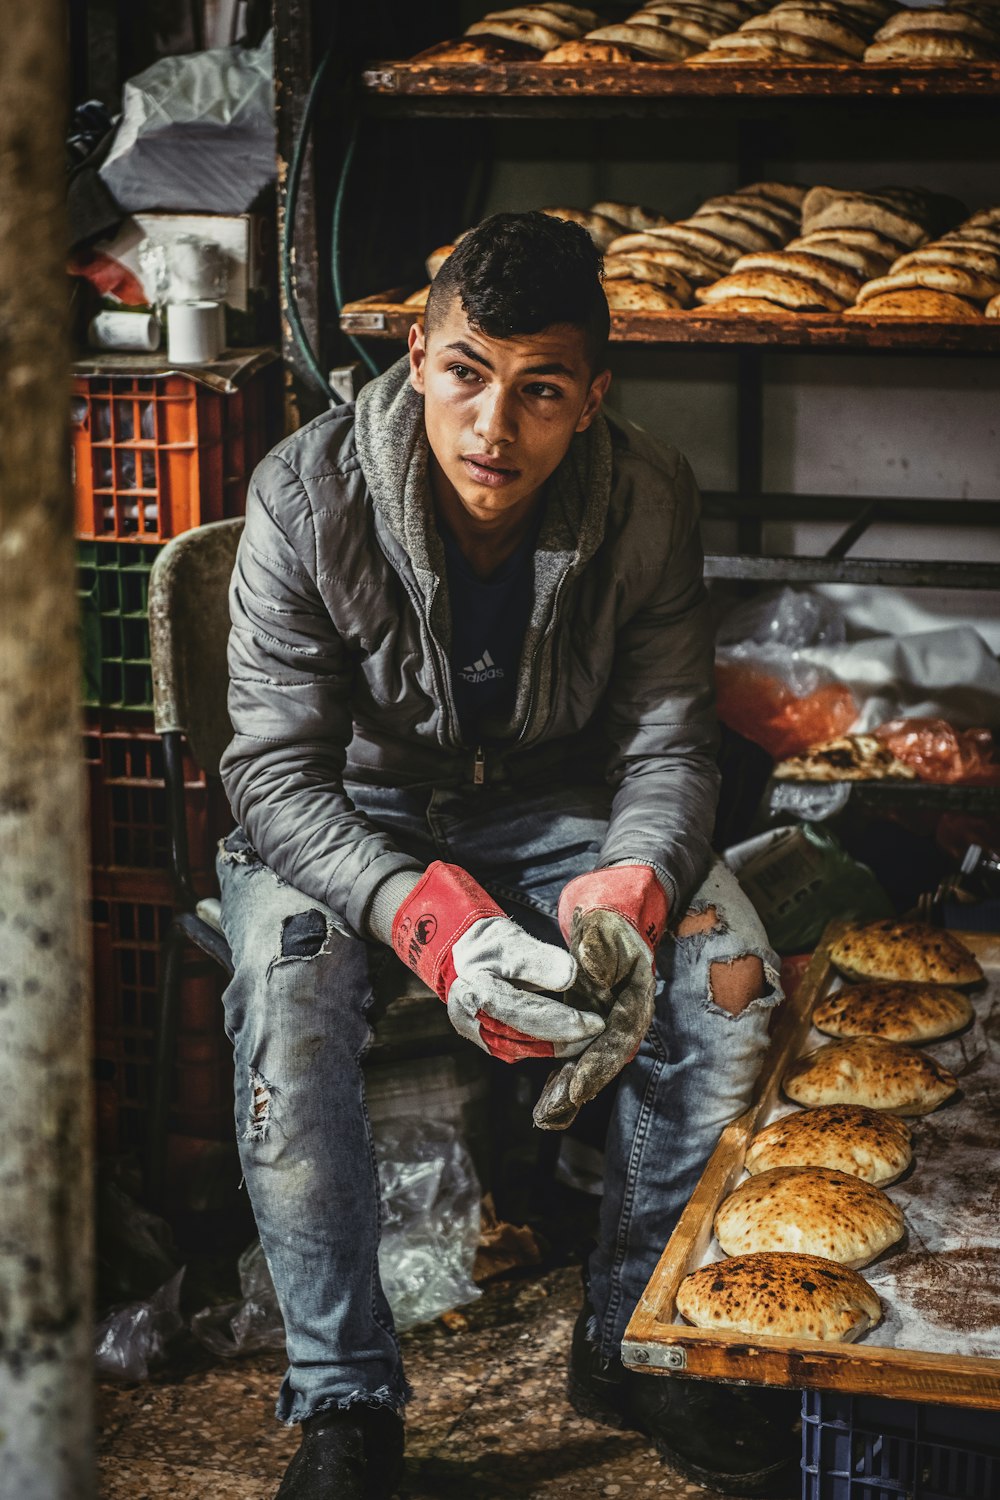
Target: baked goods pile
812, 1211
661, 31
847, 757
955, 276
523, 33
798, 31
965, 31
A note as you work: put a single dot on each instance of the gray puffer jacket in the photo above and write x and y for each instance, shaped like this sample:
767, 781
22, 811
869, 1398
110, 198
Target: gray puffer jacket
338, 655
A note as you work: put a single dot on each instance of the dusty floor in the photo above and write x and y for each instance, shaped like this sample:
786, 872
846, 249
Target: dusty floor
489, 1420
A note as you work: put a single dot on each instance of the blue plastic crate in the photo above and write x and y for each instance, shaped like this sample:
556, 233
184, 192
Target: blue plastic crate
869, 1448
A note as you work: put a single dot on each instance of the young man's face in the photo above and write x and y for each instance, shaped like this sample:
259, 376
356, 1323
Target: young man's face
501, 413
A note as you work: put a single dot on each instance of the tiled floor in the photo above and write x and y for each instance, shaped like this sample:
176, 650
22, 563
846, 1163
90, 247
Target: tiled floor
490, 1419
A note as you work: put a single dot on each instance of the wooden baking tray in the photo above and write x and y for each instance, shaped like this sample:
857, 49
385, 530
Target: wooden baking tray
645, 80
654, 1342
383, 316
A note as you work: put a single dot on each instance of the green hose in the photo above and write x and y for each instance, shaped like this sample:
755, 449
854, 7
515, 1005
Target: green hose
288, 231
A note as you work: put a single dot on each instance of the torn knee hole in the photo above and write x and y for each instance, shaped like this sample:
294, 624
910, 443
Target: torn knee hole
261, 1096
698, 922
735, 983
303, 935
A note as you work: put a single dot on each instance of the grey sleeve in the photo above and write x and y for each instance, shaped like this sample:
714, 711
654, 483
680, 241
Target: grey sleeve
290, 678
660, 716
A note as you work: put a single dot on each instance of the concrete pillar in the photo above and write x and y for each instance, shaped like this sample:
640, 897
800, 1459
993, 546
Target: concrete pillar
46, 1249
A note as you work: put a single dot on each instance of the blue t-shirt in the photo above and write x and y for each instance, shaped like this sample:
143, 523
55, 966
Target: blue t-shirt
488, 619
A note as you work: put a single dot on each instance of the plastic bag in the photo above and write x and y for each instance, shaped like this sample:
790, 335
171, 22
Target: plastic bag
767, 690
131, 1337
196, 133
939, 752
798, 878
430, 1231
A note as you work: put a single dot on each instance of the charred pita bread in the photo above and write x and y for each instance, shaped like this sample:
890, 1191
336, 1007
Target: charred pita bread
865, 211
477, 50
783, 41
734, 227
787, 1295
841, 282
910, 952
638, 268
695, 267
792, 292
540, 38
601, 230
983, 216
924, 304
993, 307
549, 18
863, 239
809, 1211
586, 52
631, 215
894, 1012
931, 46
879, 1075
753, 57
967, 257
849, 757
864, 263
639, 296
867, 1143
703, 242
802, 20
790, 193
935, 20
744, 307
957, 280
437, 258
650, 41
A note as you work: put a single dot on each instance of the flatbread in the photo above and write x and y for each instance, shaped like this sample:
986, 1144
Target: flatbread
791, 1296
863, 239
728, 10
879, 1075
744, 307
652, 41
791, 193
477, 50
984, 216
910, 952
842, 283
639, 296
733, 227
894, 1012
809, 1211
695, 267
993, 307
541, 38
750, 56
940, 253
601, 230
865, 211
706, 244
637, 268
957, 280
849, 757
867, 1143
437, 258
550, 19
963, 22
789, 291
922, 303
931, 46
802, 20
754, 209
780, 40
586, 52
864, 263
631, 216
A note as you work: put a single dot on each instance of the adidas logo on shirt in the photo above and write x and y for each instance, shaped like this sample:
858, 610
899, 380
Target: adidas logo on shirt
483, 669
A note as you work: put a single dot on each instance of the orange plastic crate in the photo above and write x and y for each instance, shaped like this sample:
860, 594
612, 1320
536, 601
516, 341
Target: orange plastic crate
156, 455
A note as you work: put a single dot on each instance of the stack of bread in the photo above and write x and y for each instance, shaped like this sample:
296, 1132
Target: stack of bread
847, 238
965, 31
956, 276
523, 33
812, 1209
661, 31
797, 31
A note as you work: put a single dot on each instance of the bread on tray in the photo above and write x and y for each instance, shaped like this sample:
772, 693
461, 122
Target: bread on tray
788, 1295
879, 1075
867, 1143
810, 1211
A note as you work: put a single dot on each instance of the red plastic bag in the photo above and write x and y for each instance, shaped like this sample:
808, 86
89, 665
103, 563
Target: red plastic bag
763, 705
939, 752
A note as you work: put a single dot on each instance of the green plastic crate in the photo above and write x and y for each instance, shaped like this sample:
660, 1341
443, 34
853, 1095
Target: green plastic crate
113, 590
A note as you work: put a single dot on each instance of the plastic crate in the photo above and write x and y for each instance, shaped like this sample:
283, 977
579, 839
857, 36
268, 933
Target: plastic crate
870, 1448
113, 592
129, 918
128, 801
155, 455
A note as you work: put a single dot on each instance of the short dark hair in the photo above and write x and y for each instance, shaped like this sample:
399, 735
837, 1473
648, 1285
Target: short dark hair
519, 273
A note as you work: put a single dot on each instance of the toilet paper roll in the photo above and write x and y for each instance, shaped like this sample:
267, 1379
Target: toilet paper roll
124, 330
195, 332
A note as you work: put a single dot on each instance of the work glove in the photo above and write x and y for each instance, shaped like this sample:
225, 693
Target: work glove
612, 920
503, 988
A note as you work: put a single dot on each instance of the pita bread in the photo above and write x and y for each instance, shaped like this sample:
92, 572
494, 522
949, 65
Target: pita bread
550, 19
728, 10
864, 263
639, 296
849, 757
894, 1012
601, 230
755, 209
842, 283
809, 1211
791, 194
923, 304
980, 238
708, 245
528, 33
476, 51
864, 239
733, 227
698, 29
930, 46
963, 255
865, 211
677, 257
957, 280
750, 56
906, 951
793, 292
879, 1075
993, 307
744, 307
782, 41
935, 20
802, 20
585, 52
989, 217
867, 1143
584, 18
631, 215
791, 1296
437, 258
637, 268
651, 41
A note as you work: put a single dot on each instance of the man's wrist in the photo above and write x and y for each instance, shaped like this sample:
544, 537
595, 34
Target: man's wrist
388, 898
631, 890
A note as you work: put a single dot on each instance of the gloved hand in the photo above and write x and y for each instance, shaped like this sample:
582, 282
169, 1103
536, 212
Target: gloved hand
613, 920
502, 987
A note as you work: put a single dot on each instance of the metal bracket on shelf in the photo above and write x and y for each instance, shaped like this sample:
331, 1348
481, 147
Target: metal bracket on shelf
654, 1356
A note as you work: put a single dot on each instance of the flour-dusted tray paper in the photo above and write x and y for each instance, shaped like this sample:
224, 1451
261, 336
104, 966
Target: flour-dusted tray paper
939, 1339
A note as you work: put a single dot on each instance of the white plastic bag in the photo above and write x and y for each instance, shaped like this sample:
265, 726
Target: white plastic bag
131, 1337
196, 133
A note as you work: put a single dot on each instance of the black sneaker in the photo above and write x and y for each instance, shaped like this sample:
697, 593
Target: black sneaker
740, 1440
355, 1454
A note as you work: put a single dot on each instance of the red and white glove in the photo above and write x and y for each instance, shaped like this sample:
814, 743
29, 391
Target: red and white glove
502, 987
613, 920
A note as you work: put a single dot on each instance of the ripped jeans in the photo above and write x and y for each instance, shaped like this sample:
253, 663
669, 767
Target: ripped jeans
296, 1015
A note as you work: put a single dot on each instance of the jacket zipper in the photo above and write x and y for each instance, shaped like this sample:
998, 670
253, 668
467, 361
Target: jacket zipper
550, 632
479, 767
442, 669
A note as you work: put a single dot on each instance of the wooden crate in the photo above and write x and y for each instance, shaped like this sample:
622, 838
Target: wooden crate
654, 1342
